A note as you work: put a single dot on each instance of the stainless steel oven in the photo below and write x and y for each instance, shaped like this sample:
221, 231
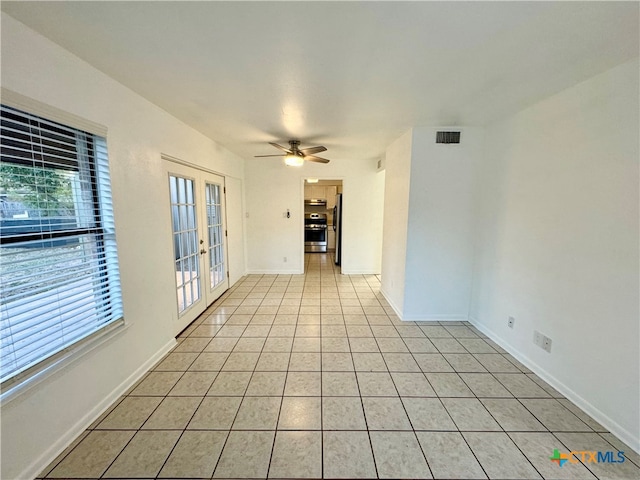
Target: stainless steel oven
315, 232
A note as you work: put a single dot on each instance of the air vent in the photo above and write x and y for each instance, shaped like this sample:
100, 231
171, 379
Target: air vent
448, 137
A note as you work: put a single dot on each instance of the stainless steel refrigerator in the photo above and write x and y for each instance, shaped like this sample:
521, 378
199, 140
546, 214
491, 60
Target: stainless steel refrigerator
337, 227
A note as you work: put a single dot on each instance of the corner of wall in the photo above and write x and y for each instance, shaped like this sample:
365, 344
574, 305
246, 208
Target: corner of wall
395, 218
397, 310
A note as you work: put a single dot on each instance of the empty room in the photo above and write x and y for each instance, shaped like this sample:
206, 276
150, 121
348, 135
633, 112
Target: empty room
251, 240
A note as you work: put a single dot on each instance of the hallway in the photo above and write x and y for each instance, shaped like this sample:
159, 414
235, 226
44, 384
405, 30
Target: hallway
312, 376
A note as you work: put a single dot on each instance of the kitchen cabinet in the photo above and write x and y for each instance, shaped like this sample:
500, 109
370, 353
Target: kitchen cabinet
330, 192
327, 192
313, 191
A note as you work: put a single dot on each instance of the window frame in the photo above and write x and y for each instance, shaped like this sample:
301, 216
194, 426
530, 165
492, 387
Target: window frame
24, 380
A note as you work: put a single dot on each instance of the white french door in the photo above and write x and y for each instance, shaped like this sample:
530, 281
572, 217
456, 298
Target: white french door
216, 256
197, 212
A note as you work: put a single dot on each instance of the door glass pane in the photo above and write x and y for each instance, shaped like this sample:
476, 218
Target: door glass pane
214, 229
185, 235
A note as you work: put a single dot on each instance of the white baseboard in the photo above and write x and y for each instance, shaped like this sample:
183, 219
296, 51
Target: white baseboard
614, 427
395, 308
275, 272
436, 318
359, 272
81, 425
422, 318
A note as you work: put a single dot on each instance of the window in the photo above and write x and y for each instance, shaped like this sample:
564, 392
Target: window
58, 259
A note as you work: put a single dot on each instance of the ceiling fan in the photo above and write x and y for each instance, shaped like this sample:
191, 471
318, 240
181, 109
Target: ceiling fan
295, 156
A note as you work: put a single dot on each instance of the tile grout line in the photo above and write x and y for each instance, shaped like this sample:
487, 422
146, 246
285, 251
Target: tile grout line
226, 440
145, 421
204, 396
284, 386
364, 413
321, 390
404, 409
478, 399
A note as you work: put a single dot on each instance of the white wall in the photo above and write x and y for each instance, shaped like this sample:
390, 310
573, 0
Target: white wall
38, 424
428, 239
440, 237
558, 243
235, 228
273, 188
396, 216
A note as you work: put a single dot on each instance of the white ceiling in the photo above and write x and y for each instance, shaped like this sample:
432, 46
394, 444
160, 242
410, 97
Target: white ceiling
352, 76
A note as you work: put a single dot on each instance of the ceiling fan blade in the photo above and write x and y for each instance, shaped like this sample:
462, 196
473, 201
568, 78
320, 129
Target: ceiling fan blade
312, 150
280, 147
279, 155
313, 158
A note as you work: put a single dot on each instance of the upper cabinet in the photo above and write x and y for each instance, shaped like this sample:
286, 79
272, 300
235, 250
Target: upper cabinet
325, 192
315, 191
330, 195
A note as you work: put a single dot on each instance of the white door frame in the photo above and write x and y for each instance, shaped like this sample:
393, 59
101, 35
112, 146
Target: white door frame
303, 182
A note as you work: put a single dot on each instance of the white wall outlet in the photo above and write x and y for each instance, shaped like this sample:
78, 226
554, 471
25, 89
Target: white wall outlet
537, 338
285, 260
511, 322
542, 341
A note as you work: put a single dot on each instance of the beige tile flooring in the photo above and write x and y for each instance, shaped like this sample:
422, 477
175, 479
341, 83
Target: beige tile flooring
313, 376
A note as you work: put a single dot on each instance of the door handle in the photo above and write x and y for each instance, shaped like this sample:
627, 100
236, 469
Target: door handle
203, 251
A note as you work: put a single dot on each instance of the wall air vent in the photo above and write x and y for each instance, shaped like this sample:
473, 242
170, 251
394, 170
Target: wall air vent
448, 137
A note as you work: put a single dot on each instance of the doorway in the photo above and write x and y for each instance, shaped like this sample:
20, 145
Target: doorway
323, 206
197, 211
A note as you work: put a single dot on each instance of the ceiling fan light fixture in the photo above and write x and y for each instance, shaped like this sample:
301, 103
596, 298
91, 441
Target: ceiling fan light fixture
295, 157
294, 160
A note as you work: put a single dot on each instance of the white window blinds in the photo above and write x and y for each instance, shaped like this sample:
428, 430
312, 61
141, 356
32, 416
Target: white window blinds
58, 262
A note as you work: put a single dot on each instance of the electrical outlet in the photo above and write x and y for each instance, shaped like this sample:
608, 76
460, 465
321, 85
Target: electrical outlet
285, 259
511, 322
537, 338
542, 341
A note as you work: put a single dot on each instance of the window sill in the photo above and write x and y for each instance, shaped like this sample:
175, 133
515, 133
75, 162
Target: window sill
55, 366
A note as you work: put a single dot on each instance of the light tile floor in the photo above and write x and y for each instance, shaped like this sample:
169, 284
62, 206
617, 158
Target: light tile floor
313, 376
